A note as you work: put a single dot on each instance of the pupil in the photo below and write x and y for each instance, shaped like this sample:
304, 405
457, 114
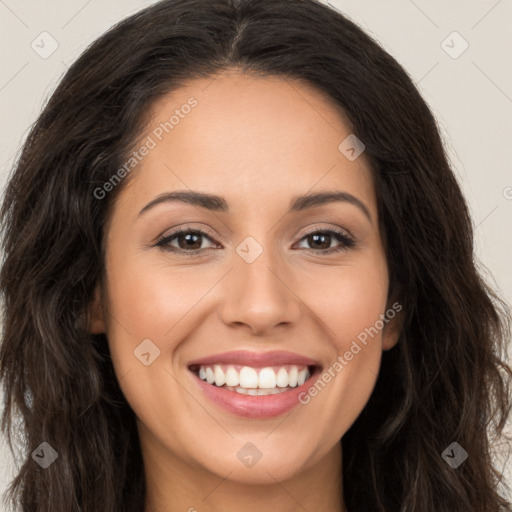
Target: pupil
317, 237
189, 237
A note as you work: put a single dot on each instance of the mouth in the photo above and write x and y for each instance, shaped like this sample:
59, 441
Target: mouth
254, 381
256, 385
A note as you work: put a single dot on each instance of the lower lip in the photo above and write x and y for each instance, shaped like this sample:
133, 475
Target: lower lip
262, 406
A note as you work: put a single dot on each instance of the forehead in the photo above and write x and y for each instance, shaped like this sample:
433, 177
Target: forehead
254, 136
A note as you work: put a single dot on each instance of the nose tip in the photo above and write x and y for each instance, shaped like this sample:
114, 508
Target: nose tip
257, 296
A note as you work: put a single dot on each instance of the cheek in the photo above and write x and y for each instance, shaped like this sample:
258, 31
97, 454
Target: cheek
146, 301
150, 299
346, 300
156, 303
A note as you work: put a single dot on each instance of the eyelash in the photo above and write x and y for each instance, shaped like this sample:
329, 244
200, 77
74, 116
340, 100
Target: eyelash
346, 241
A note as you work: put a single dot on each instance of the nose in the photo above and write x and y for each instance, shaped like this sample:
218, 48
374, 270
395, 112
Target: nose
259, 295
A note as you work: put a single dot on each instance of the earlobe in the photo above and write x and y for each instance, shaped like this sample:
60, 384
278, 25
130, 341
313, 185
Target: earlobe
96, 313
393, 326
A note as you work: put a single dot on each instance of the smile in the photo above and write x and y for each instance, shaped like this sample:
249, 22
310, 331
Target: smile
254, 381
257, 385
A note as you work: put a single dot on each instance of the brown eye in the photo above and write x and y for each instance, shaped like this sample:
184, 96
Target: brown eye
320, 241
188, 240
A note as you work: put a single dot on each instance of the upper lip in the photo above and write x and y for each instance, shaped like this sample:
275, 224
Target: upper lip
256, 359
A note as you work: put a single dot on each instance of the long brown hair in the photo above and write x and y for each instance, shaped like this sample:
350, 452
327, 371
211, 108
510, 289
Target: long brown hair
445, 381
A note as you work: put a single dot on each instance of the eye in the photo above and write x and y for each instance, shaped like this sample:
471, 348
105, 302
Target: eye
188, 240
321, 239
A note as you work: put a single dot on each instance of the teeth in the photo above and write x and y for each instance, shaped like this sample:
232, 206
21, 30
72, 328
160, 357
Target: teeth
267, 378
256, 392
254, 381
231, 376
220, 379
292, 376
248, 377
210, 377
282, 378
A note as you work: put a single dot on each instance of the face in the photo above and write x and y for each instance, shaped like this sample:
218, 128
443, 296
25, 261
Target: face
255, 287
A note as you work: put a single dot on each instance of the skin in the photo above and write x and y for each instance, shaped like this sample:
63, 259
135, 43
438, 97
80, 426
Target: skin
258, 142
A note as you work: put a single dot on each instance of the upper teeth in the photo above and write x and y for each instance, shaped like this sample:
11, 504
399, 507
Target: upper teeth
248, 377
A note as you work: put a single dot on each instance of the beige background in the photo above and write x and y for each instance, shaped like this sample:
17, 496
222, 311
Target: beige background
471, 95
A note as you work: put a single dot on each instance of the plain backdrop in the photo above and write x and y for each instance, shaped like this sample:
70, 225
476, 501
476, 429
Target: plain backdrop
457, 52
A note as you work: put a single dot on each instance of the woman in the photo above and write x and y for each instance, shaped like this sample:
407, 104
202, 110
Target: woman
331, 347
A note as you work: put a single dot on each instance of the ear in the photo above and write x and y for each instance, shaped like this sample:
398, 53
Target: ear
96, 313
393, 325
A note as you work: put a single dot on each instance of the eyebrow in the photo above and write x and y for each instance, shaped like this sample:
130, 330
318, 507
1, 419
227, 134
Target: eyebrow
219, 204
